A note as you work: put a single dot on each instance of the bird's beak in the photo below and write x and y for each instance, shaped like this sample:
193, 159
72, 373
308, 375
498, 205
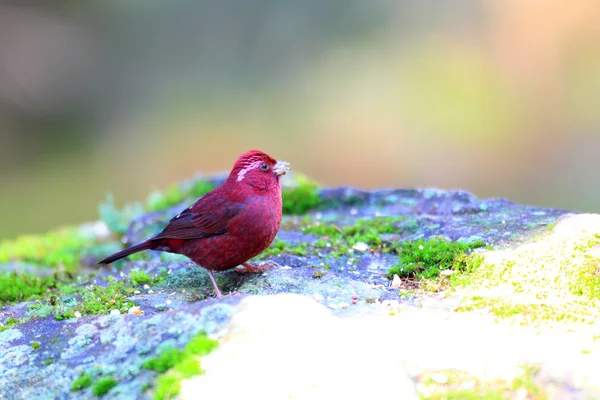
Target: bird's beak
281, 168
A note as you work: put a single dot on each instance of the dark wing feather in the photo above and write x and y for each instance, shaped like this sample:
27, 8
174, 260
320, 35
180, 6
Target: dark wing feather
211, 221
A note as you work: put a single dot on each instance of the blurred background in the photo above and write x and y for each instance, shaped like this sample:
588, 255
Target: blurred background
496, 97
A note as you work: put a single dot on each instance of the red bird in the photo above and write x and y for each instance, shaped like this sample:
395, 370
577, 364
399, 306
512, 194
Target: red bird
229, 225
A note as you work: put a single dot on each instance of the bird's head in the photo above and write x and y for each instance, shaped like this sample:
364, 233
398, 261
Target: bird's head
258, 169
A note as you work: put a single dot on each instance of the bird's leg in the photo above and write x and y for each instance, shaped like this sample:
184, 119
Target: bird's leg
214, 282
262, 267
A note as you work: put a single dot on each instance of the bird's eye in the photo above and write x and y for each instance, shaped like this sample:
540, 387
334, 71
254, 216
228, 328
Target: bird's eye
264, 166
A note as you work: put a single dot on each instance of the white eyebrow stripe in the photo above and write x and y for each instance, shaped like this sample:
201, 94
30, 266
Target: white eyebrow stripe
248, 167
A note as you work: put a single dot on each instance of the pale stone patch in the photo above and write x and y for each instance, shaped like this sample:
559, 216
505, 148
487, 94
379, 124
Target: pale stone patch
289, 346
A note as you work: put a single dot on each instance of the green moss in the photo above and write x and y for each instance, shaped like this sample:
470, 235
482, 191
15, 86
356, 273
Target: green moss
462, 386
82, 382
138, 277
101, 300
370, 230
201, 345
363, 230
103, 385
425, 259
60, 248
188, 367
35, 345
341, 238
551, 279
10, 322
277, 247
467, 263
302, 198
167, 386
324, 230
61, 308
165, 361
16, 287
177, 364
318, 274
338, 240
532, 313
471, 394
93, 300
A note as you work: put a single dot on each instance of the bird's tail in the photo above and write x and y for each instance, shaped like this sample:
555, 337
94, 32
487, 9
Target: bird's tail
124, 253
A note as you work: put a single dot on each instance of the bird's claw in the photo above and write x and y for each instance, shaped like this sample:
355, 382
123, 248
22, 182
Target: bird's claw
261, 267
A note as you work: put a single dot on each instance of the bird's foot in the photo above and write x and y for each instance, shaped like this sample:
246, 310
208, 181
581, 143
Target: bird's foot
261, 267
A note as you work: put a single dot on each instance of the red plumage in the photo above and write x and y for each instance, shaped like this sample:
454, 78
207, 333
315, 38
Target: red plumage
229, 225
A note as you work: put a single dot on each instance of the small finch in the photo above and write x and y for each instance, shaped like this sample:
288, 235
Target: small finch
229, 225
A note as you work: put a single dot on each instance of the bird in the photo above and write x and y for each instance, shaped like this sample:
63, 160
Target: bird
230, 224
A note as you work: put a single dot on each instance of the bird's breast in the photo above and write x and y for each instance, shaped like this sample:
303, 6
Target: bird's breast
259, 221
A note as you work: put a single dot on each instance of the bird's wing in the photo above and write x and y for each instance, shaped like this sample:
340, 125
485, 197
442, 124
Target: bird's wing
201, 221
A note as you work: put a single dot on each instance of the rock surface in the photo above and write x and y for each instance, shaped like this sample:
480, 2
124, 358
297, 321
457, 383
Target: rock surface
291, 333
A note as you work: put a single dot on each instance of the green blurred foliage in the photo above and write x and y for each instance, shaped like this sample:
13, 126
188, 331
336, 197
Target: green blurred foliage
61, 248
303, 197
498, 98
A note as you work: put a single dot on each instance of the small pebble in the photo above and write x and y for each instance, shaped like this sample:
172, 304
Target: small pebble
168, 302
439, 378
343, 305
146, 287
396, 282
135, 310
150, 291
115, 312
361, 246
137, 292
77, 314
